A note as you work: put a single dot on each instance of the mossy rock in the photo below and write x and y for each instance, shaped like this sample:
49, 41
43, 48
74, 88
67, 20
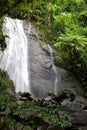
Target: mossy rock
5, 81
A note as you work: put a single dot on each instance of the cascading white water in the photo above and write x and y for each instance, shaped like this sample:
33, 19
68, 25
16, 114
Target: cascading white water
15, 58
57, 78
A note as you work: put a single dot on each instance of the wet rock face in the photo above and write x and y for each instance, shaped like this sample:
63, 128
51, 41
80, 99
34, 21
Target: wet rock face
42, 74
42, 77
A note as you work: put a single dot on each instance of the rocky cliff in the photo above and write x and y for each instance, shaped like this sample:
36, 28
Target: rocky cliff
42, 75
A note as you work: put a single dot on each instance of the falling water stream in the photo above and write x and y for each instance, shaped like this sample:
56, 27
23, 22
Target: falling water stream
57, 78
15, 58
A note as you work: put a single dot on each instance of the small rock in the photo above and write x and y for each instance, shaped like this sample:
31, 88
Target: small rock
65, 94
23, 98
8, 111
65, 101
19, 102
18, 96
26, 96
55, 127
82, 101
48, 98
27, 128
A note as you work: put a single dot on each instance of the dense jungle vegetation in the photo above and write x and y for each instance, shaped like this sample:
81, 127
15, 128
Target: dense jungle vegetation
63, 24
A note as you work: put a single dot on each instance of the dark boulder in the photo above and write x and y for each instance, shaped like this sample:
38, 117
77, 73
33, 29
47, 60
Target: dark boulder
77, 113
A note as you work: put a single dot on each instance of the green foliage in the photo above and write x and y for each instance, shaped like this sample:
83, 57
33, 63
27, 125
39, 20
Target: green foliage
18, 116
2, 42
65, 121
4, 83
52, 115
2, 36
74, 46
8, 122
71, 42
4, 100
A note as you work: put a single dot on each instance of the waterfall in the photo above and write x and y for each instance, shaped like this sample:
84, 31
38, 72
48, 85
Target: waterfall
15, 58
57, 78
24, 58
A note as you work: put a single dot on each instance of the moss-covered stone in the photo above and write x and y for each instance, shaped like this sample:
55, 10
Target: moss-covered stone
5, 81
